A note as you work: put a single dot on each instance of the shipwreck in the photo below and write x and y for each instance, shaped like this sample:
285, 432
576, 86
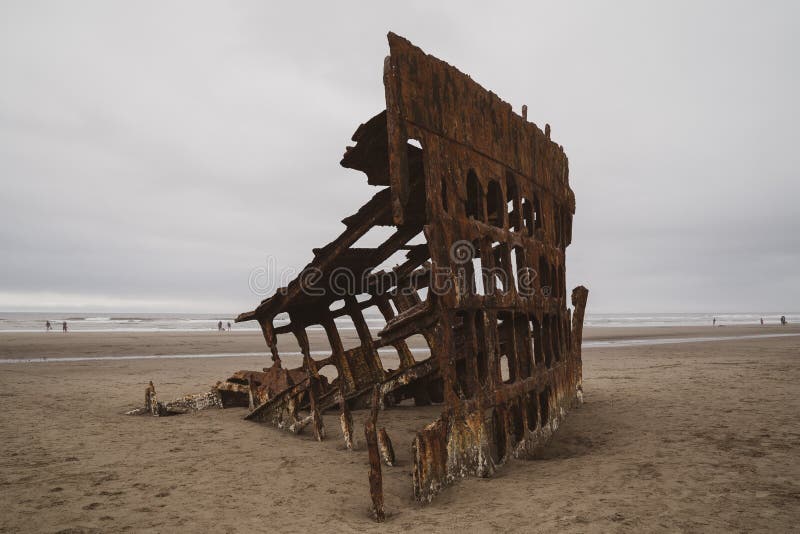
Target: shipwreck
479, 204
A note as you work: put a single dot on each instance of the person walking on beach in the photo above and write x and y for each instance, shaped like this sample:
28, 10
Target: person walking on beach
48, 326
219, 326
64, 327
714, 322
229, 326
783, 320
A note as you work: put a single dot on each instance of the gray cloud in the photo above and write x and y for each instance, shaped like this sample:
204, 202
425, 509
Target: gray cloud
152, 154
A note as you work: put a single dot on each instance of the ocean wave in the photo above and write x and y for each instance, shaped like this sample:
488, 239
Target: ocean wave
133, 322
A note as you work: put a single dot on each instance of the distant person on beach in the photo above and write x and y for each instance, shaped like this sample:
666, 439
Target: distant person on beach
714, 322
762, 321
229, 326
219, 326
783, 320
48, 326
64, 327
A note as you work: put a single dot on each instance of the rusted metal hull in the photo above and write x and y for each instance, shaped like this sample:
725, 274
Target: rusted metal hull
478, 200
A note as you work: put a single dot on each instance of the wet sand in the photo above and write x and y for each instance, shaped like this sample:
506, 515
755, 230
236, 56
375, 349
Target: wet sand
681, 437
86, 344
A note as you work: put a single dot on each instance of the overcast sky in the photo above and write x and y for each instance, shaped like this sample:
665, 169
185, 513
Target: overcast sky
152, 154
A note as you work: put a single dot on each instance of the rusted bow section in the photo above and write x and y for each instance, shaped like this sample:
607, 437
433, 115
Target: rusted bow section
480, 211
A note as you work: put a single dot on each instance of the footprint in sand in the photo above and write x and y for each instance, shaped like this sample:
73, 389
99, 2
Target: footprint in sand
648, 470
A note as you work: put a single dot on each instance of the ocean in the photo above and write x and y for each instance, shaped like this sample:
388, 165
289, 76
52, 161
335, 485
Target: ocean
191, 322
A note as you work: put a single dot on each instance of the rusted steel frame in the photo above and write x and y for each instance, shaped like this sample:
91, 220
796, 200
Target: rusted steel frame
309, 364
406, 269
314, 391
416, 269
386, 448
151, 399
511, 343
232, 393
374, 212
471, 349
398, 155
326, 258
491, 347
502, 261
408, 376
370, 154
398, 275
373, 360
345, 418
530, 187
405, 297
406, 358
394, 242
474, 434
477, 230
281, 410
375, 475
417, 256
269, 336
579, 296
342, 364
487, 267
196, 402
317, 319
450, 448
285, 329
409, 323
404, 294
442, 351
496, 303
509, 139
536, 382
460, 445
525, 361
394, 382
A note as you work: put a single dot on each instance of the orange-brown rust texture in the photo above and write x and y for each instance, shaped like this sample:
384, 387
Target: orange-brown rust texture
373, 446
479, 207
385, 445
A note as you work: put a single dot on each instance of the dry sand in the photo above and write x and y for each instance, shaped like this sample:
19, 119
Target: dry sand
681, 437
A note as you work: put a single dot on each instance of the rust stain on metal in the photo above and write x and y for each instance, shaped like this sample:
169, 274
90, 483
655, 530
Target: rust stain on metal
385, 445
478, 202
187, 403
374, 448
346, 420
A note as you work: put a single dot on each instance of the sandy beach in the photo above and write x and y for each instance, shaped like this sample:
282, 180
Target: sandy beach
23, 345
689, 437
544, 253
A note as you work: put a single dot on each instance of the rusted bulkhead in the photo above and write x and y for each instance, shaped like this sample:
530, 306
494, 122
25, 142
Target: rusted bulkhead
479, 200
